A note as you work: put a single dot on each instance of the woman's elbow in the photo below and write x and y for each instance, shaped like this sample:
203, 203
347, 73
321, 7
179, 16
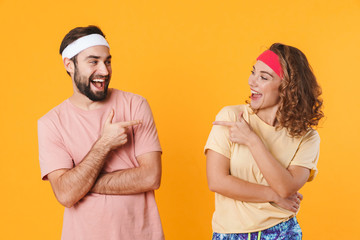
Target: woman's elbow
213, 185
212, 188
285, 192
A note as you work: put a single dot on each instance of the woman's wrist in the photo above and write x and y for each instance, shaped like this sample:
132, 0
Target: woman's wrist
271, 195
253, 140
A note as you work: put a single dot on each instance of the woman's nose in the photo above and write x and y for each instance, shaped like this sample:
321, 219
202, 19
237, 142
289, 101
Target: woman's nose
252, 80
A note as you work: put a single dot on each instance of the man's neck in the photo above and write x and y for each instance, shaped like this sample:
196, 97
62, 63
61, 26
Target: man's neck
83, 102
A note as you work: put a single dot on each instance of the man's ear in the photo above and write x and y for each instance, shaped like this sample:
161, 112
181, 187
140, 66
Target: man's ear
69, 65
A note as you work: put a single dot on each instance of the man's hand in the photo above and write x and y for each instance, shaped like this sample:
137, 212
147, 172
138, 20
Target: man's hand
114, 135
239, 131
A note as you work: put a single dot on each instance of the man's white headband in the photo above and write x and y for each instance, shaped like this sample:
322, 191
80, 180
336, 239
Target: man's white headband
83, 43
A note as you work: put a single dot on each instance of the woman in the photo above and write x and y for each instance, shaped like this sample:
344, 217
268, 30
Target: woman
259, 155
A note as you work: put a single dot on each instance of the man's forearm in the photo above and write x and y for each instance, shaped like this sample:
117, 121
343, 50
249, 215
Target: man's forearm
128, 181
140, 179
71, 185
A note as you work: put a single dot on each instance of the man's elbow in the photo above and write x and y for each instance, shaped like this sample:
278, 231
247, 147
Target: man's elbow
156, 182
64, 200
153, 181
67, 204
156, 185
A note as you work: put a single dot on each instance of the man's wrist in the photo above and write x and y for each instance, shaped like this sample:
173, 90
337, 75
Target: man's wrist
102, 146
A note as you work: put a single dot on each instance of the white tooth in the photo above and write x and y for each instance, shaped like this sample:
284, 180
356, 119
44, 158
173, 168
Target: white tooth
253, 92
98, 80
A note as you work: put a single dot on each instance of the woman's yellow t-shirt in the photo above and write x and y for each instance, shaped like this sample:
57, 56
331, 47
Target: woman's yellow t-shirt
233, 216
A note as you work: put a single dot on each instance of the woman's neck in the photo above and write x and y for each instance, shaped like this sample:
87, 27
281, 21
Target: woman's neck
268, 115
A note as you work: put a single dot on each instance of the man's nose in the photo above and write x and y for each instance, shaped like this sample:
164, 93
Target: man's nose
103, 69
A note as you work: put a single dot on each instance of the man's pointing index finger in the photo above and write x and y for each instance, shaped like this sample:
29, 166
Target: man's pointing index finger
131, 123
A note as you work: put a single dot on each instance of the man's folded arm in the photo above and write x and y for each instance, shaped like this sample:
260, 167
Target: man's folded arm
146, 177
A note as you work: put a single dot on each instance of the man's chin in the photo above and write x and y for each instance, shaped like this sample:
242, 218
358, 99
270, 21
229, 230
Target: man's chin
97, 96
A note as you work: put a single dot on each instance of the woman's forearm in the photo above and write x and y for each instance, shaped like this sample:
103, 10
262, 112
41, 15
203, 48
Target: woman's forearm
285, 181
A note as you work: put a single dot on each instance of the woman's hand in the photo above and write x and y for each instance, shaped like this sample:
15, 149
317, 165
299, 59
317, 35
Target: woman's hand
291, 203
240, 132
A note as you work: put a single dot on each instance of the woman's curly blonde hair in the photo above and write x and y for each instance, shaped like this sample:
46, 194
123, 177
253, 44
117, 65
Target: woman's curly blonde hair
300, 102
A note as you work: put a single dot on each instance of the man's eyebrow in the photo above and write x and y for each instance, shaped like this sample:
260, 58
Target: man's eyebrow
97, 57
93, 56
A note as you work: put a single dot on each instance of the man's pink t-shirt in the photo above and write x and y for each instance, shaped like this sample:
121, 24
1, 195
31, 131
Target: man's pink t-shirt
67, 133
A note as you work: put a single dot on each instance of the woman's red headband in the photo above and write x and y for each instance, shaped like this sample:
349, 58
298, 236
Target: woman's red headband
272, 60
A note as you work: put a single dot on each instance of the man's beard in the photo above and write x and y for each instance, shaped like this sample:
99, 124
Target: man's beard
84, 86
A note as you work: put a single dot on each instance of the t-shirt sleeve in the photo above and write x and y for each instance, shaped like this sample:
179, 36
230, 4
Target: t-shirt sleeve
218, 139
307, 154
145, 135
52, 152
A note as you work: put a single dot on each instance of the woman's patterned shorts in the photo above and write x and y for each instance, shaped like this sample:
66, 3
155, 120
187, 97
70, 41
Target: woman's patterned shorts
289, 230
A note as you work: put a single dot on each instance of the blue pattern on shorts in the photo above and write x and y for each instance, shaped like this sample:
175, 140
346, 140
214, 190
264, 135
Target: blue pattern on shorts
289, 230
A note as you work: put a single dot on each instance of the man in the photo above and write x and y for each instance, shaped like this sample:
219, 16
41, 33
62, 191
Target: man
100, 150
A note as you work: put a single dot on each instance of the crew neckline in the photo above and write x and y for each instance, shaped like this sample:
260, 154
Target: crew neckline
258, 119
100, 109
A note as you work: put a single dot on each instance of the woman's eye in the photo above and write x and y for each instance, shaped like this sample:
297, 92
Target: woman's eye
263, 78
252, 71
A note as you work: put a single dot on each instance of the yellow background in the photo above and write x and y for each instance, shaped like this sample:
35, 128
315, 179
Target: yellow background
189, 59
